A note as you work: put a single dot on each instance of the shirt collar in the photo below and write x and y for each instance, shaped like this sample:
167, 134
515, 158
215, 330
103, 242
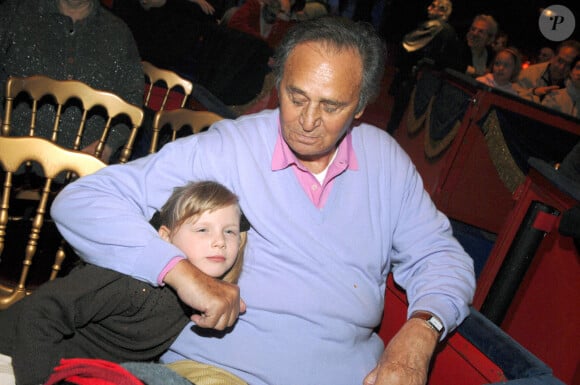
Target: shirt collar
283, 156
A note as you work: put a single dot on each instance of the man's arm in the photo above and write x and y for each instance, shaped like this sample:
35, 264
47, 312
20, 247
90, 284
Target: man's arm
104, 217
406, 359
217, 301
438, 278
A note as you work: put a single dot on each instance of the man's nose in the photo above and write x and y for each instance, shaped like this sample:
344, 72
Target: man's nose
310, 117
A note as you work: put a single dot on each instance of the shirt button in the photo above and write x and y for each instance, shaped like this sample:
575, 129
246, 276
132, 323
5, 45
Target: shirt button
314, 187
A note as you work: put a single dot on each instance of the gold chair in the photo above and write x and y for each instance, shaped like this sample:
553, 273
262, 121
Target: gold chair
39, 87
154, 76
179, 119
54, 160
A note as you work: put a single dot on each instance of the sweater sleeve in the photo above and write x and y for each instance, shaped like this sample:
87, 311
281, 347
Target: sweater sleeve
429, 262
113, 230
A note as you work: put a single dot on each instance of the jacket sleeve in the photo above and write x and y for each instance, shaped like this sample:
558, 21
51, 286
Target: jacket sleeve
53, 313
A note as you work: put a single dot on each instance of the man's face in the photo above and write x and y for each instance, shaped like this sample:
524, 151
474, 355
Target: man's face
319, 93
435, 11
546, 53
478, 35
560, 64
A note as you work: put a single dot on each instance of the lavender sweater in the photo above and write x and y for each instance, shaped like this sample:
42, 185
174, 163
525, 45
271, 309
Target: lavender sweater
313, 279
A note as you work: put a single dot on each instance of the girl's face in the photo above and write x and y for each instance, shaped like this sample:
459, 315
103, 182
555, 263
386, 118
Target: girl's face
503, 68
211, 241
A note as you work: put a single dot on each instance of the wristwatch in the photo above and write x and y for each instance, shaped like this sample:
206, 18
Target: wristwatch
431, 320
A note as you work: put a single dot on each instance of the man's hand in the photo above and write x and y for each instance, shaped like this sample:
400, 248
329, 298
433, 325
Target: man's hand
406, 358
218, 302
542, 91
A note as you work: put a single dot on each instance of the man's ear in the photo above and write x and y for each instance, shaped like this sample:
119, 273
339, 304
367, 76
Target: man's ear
359, 114
164, 233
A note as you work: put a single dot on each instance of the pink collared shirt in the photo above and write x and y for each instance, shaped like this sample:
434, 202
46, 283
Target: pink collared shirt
345, 158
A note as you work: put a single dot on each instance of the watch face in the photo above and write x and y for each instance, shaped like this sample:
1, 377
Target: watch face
437, 325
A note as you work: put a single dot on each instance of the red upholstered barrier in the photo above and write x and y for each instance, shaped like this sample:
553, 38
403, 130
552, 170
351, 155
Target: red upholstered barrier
543, 315
472, 176
457, 361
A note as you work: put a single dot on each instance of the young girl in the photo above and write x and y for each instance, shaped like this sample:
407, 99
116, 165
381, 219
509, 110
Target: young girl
507, 65
99, 313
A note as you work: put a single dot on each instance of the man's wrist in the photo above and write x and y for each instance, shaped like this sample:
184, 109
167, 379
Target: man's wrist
430, 320
162, 279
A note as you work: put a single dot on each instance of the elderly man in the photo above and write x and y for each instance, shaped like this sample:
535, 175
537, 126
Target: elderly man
540, 79
333, 209
69, 39
478, 53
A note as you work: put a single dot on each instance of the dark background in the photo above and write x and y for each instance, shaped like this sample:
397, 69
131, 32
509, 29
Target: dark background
518, 18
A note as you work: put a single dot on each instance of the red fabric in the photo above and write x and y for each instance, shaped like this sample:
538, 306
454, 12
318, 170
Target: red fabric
107, 3
86, 371
544, 222
247, 19
173, 100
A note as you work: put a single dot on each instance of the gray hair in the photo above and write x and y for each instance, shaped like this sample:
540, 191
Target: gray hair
339, 33
493, 26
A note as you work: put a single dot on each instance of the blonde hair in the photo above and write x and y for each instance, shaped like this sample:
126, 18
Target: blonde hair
194, 199
515, 54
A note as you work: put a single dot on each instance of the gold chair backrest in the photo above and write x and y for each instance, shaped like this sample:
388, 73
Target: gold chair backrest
155, 76
39, 86
54, 159
178, 119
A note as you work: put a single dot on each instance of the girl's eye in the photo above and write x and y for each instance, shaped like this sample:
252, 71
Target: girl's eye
201, 230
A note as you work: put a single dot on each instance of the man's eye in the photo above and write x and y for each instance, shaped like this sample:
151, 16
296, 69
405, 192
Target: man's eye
330, 108
298, 102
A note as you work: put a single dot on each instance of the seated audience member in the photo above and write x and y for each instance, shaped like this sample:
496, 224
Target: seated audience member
500, 42
229, 65
69, 39
567, 99
477, 53
313, 9
265, 19
99, 313
545, 54
538, 80
506, 67
315, 269
435, 40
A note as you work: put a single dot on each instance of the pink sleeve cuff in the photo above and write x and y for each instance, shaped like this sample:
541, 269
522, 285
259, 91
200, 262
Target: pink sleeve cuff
167, 268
